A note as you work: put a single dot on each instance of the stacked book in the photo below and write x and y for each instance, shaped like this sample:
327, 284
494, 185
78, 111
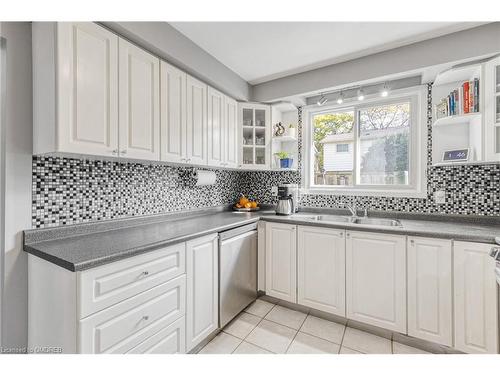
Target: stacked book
462, 100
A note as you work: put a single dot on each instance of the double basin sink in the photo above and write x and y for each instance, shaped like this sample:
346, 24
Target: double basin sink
350, 220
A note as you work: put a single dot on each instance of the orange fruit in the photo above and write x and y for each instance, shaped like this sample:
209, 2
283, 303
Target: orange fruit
243, 200
238, 205
248, 205
254, 204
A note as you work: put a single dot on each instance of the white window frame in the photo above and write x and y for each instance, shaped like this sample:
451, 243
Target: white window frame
417, 96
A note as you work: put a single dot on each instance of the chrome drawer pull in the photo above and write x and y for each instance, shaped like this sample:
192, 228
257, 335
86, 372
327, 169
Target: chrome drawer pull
145, 273
145, 317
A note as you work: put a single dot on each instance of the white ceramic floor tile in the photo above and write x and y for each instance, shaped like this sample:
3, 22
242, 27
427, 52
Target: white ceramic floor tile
307, 344
271, 336
324, 329
405, 349
365, 342
346, 350
221, 344
287, 317
247, 348
260, 308
242, 325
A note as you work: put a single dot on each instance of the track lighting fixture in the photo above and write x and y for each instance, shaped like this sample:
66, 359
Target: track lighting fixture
322, 100
361, 94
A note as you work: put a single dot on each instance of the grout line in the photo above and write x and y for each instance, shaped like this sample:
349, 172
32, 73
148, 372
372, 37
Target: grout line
296, 333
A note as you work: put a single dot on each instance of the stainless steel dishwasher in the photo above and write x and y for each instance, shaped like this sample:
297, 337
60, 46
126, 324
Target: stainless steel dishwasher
237, 271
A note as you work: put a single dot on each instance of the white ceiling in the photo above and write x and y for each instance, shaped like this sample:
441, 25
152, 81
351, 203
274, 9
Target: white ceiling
261, 51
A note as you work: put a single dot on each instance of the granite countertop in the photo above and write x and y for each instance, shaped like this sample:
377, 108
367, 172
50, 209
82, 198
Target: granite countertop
86, 251
81, 247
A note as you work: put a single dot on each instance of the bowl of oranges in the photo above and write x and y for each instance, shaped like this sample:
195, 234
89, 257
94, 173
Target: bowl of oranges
246, 205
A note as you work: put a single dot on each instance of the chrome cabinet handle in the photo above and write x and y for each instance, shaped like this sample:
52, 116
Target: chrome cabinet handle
145, 317
123, 152
341, 234
145, 273
115, 152
188, 160
412, 242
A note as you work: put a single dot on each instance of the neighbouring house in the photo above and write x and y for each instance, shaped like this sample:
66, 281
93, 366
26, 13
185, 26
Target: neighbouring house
337, 160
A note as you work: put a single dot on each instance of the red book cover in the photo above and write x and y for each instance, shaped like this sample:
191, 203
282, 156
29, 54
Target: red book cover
466, 96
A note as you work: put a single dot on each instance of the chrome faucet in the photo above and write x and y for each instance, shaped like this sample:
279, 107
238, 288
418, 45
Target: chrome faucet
352, 208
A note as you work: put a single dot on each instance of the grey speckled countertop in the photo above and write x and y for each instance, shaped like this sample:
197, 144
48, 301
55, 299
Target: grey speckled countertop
81, 247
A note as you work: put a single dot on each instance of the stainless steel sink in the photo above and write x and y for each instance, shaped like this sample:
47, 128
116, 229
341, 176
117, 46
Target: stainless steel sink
376, 221
350, 219
334, 218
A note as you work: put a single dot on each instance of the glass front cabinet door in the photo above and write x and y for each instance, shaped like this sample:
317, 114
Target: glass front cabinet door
255, 128
492, 109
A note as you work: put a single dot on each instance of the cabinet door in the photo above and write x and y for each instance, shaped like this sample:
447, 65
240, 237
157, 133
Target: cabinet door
202, 289
87, 89
430, 307
376, 279
321, 269
216, 128
173, 113
139, 103
491, 94
281, 261
476, 298
255, 122
196, 117
231, 133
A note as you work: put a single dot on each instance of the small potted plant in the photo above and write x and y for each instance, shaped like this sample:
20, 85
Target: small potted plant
285, 160
291, 131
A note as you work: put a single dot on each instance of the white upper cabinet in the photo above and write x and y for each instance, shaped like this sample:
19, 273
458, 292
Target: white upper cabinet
216, 128
196, 121
86, 121
173, 113
492, 109
475, 298
281, 261
255, 133
321, 269
231, 149
376, 279
430, 306
139, 109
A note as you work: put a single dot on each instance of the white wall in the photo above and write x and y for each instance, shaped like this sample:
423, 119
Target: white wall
17, 157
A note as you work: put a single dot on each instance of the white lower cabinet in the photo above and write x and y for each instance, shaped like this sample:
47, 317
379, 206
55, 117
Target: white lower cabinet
170, 340
164, 301
475, 298
126, 324
376, 279
281, 261
321, 269
202, 289
430, 306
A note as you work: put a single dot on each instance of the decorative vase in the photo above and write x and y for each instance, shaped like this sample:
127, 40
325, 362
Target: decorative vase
292, 132
286, 163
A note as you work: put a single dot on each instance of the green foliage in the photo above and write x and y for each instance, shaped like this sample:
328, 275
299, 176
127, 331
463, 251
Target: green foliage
328, 124
282, 155
388, 154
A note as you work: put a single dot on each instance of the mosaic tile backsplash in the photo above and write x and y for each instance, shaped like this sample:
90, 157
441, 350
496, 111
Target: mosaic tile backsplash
71, 191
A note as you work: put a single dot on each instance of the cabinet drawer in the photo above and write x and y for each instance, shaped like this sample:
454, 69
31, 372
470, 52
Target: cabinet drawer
170, 340
125, 325
104, 286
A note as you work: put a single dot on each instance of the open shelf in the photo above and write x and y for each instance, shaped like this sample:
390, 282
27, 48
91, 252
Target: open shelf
456, 119
285, 138
458, 74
